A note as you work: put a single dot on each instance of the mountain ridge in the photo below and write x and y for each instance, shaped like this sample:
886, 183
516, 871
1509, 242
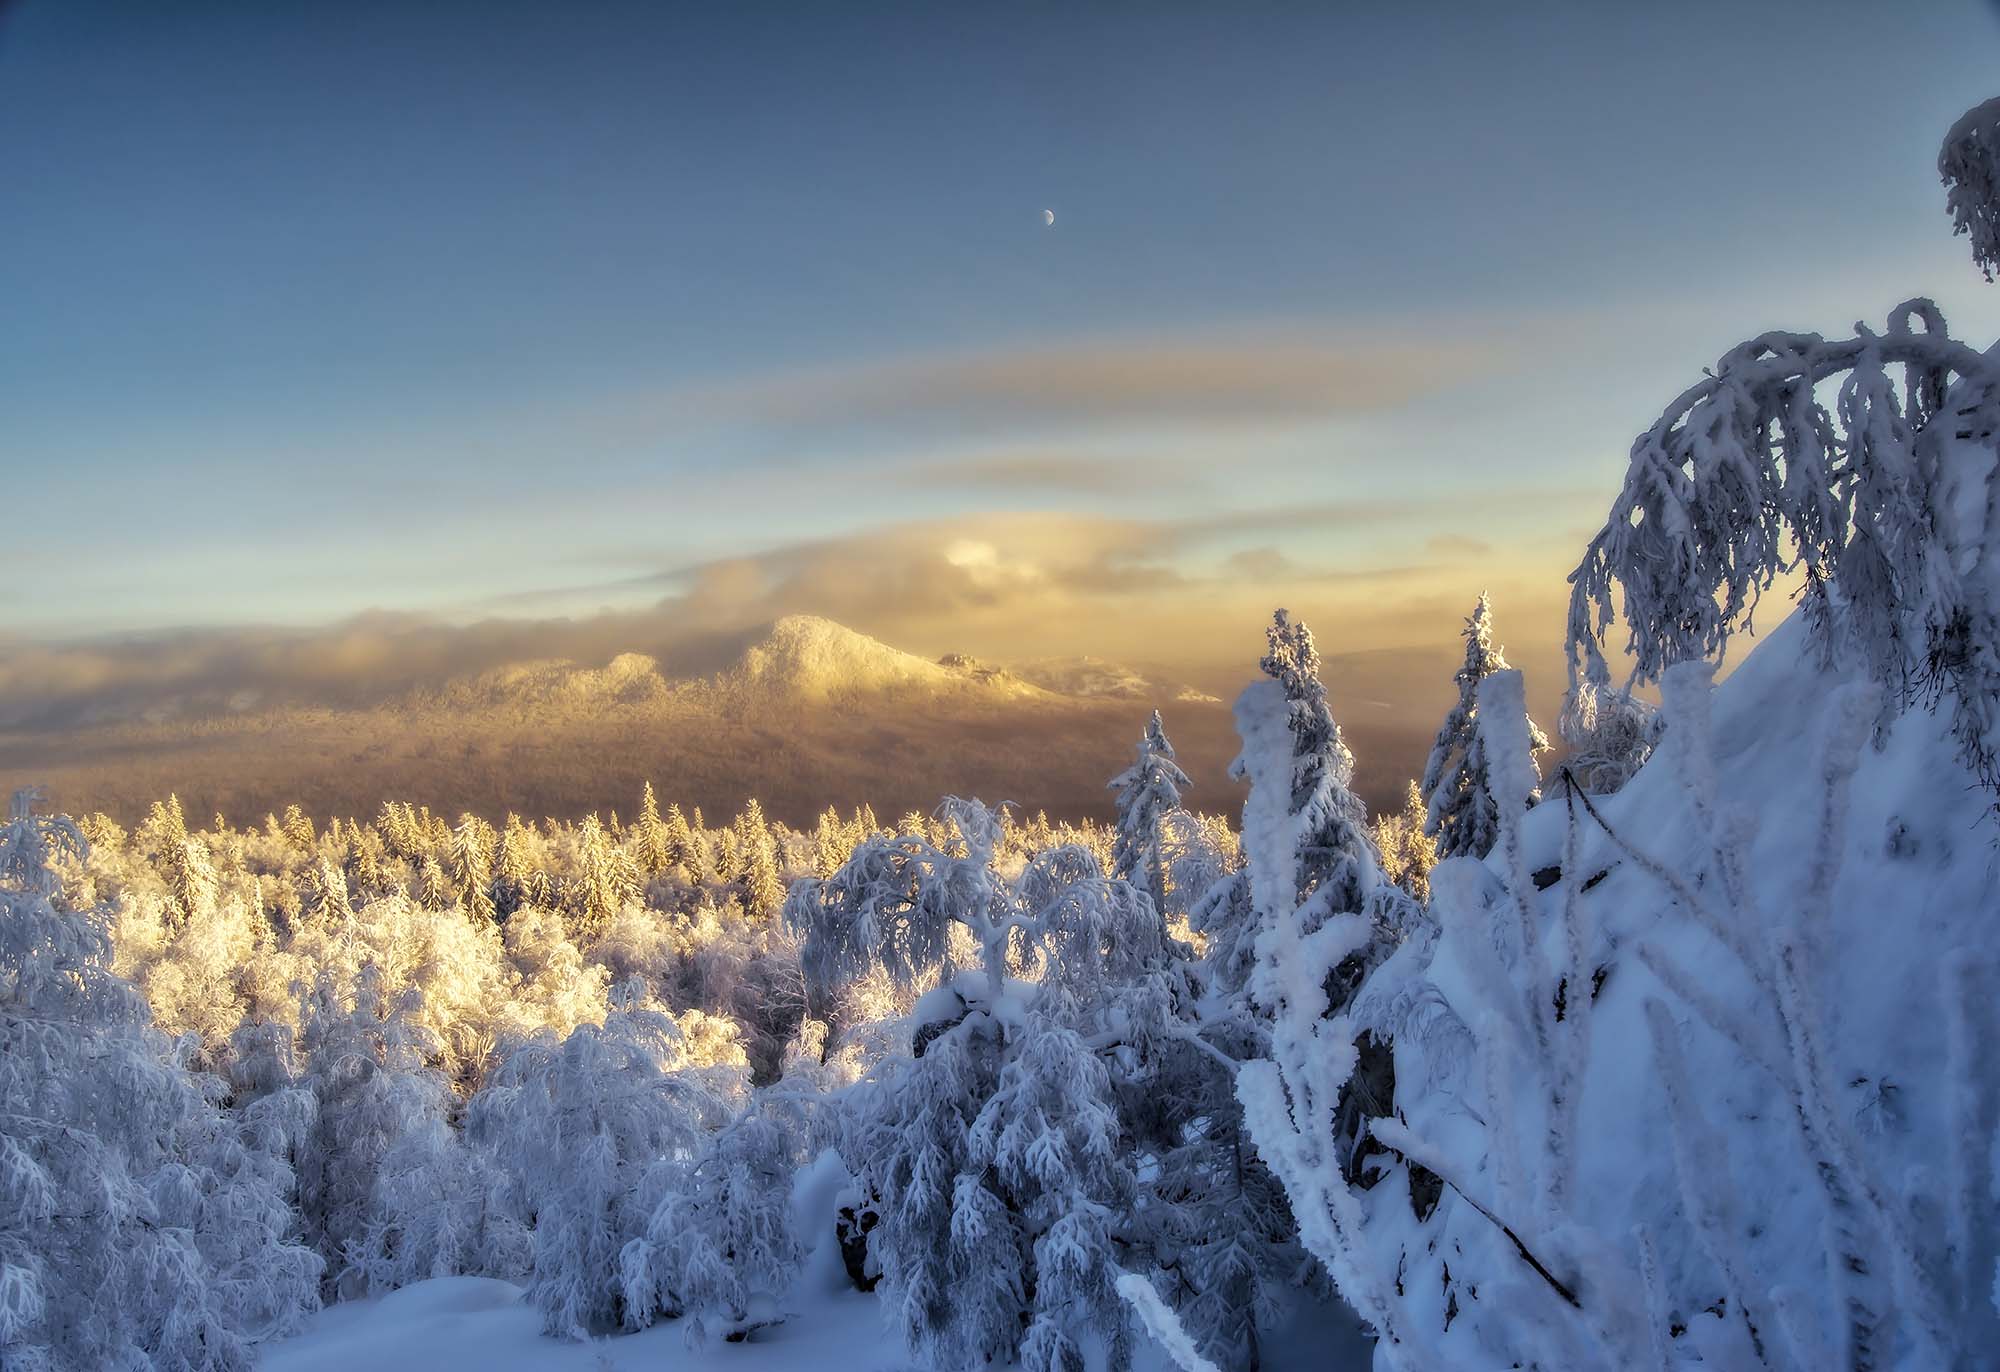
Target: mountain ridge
801, 712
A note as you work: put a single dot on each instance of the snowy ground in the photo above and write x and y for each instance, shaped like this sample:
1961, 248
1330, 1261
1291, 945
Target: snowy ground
476, 1322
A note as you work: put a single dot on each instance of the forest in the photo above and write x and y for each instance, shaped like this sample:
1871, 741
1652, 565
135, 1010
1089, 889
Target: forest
1667, 1042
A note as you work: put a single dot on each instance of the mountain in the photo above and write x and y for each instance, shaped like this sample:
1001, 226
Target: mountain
806, 658
803, 713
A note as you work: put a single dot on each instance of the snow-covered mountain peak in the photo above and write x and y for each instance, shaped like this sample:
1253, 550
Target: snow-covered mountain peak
809, 658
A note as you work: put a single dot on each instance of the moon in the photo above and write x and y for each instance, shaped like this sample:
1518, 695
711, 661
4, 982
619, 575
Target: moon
1048, 218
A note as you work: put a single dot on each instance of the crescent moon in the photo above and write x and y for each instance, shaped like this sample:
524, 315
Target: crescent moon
1048, 217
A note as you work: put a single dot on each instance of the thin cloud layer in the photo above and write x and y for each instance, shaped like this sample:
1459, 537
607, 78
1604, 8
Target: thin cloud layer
1178, 593
1262, 379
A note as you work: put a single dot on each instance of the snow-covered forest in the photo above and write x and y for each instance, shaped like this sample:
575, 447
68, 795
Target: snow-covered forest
1668, 1042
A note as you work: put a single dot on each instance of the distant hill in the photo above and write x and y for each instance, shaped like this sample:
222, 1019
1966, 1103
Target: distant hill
807, 713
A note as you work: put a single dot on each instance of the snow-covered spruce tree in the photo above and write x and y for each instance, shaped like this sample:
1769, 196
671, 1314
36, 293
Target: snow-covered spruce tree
512, 867
587, 1130
1046, 1170
298, 831
831, 843
1148, 792
323, 894
719, 1250
367, 1067
435, 1210
1407, 852
182, 861
604, 882
433, 886
1319, 859
682, 845
649, 836
137, 1228
1212, 1230
362, 863
763, 882
472, 845
1209, 1225
994, 1151
1459, 805
1311, 864
1296, 1101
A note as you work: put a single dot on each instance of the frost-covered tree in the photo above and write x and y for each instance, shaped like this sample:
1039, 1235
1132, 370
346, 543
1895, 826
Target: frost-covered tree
1864, 465
831, 843
182, 861
137, 1227
1408, 853
192, 971
512, 870
582, 1127
1148, 792
719, 1250
362, 863
366, 1068
323, 893
1459, 805
1215, 1232
1309, 858
1879, 497
893, 905
763, 883
1046, 1145
603, 883
682, 846
298, 832
435, 1210
1313, 889
433, 886
472, 844
996, 1148
1212, 1229
649, 836
1969, 165
1319, 840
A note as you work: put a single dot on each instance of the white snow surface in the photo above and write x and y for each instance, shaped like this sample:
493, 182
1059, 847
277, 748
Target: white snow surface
481, 1324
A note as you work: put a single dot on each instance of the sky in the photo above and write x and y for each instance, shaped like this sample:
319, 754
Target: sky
655, 316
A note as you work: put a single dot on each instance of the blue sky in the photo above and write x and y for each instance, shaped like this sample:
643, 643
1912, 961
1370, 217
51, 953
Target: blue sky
455, 310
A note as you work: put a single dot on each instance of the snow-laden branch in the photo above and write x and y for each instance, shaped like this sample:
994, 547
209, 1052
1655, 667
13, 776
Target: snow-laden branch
1969, 166
1159, 1320
1863, 464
